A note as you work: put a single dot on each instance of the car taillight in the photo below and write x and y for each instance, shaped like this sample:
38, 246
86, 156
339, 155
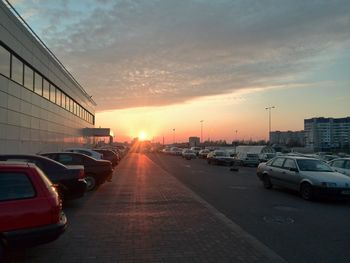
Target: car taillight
81, 174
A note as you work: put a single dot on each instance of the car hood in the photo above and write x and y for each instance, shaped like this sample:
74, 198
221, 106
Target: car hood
327, 177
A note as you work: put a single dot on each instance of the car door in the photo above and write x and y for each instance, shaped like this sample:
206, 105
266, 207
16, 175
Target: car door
291, 174
21, 203
275, 171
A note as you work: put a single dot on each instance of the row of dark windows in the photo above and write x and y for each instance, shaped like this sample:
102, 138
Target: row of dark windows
17, 70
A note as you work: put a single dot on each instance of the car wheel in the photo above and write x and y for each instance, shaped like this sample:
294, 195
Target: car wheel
306, 191
91, 183
267, 182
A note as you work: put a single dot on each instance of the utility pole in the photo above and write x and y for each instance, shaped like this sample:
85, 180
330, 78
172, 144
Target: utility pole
269, 109
201, 141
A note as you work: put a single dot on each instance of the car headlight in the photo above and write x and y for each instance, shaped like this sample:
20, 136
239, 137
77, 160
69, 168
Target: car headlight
329, 184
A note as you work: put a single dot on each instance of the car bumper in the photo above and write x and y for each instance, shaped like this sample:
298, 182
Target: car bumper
35, 236
75, 190
339, 193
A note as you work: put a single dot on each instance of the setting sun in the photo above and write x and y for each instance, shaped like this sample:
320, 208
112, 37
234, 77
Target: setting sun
142, 135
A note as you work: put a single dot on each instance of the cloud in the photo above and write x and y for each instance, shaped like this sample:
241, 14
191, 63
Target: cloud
158, 52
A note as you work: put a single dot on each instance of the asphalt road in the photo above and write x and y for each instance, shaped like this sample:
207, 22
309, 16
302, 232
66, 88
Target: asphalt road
297, 230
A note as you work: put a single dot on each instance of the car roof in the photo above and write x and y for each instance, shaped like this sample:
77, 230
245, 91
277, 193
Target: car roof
34, 156
69, 153
296, 157
15, 164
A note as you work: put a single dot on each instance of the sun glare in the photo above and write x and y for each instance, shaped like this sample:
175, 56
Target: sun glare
142, 135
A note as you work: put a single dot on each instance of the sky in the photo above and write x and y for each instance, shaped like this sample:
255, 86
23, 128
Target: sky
162, 66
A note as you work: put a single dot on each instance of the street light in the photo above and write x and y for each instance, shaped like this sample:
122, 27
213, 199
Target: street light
174, 136
201, 141
269, 108
236, 142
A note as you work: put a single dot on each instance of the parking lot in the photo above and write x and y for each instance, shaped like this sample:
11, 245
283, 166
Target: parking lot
298, 230
210, 214
146, 215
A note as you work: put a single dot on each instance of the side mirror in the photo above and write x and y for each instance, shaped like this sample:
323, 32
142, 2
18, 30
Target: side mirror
294, 170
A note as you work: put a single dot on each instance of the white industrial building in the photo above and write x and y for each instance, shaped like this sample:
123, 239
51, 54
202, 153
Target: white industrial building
42, 106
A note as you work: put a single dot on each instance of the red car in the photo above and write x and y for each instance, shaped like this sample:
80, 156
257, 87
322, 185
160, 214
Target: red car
30, 208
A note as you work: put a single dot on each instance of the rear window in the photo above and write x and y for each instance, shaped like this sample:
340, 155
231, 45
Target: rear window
14, 186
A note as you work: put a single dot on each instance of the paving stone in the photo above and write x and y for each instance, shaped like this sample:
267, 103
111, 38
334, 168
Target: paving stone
146, 215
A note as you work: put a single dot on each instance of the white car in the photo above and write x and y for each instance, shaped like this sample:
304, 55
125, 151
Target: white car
311, 177
88, 152
188, 154
203, 153
175, 151
341, 165
196, 150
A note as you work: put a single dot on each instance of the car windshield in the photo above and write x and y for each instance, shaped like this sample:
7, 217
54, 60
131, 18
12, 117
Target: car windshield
313, 166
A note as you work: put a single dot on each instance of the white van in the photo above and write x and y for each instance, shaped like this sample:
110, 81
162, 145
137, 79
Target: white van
247, 159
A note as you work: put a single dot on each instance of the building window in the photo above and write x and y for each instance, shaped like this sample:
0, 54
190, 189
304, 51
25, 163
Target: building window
53, 93
4, 62
58, 97
17, 70
46, 89
38, 84
28, 78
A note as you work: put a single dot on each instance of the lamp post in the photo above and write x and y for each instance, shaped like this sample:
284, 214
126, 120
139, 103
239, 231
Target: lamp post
174, 136
269, 109
201, 141
236, 142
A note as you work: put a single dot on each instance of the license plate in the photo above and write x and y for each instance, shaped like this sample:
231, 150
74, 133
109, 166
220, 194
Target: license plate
346, 192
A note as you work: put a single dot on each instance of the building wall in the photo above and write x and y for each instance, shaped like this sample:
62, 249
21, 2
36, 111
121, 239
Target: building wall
194, 141
287, 137
327, 133
31, 120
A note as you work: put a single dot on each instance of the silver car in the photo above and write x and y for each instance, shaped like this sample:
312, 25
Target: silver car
311, 177
188, 154
341, 165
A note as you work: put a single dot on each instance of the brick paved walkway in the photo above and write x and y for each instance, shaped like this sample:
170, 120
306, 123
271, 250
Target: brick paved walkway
146, 215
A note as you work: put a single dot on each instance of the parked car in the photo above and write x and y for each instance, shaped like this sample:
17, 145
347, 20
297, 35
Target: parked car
309, 176
31, 210
220, 157
188, 154
175, 151
109, 155
247, 159
88, 152
203, 153
166, 151
70, 179
341, 165
264, 157
196, 149
96, 171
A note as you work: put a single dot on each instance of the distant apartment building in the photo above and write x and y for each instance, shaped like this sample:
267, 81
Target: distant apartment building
324, 134
293, 138
194, 141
